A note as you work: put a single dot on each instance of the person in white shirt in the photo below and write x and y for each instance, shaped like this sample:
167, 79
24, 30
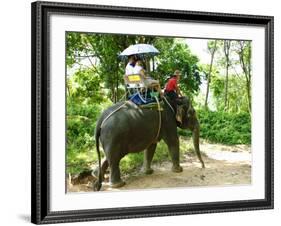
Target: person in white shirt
148, 81
130, 66
138, 69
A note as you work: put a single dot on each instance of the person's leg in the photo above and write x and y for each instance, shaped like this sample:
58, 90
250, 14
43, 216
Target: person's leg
173, 96
174, 102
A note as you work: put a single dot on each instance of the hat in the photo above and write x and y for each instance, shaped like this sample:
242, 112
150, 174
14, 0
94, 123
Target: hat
177, 72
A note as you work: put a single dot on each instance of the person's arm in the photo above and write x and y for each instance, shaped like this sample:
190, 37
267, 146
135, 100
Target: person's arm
178, 90
142, 73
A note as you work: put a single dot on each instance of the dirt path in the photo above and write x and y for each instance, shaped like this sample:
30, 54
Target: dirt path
225, 165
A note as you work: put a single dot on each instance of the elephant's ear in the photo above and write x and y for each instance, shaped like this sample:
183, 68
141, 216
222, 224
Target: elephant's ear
190, 112
180, 113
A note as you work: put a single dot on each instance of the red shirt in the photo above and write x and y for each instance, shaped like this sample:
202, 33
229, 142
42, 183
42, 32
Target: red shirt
171, 84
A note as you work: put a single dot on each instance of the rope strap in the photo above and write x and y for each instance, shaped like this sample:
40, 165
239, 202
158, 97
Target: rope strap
117, 109
159, 124
169, 104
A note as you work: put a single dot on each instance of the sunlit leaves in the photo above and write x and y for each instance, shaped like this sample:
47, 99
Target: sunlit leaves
175, 54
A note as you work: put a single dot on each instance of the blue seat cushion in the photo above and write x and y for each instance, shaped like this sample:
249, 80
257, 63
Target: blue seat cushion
140, 100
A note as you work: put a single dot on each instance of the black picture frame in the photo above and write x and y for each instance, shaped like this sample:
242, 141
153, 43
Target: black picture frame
40, 208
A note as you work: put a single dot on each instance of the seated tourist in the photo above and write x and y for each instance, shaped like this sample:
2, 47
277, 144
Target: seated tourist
148, 81
130, 65
129, 70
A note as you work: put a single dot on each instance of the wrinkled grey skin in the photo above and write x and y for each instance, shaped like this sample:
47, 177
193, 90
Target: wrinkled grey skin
132, 129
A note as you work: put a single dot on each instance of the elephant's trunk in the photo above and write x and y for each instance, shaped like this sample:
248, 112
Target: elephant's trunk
195, 136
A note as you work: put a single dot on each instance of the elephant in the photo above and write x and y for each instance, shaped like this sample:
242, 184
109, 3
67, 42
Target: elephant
126, 128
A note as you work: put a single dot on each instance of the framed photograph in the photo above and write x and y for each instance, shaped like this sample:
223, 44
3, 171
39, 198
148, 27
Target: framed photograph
140, 112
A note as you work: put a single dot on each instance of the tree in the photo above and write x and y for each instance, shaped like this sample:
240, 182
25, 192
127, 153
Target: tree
102, 52
212, 48
226, 48
175, 54
237, 99
243, 49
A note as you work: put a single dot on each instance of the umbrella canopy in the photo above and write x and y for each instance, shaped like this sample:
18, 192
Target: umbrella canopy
141, 50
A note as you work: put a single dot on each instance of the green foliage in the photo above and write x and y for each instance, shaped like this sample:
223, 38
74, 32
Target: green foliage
102, 52
226, 128
84, 86
237, 96
223, 127
95, 81
81, 122
213, 45
231, 83
175, 54
85, 101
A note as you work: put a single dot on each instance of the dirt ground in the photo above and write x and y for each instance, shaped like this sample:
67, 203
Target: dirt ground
225, 165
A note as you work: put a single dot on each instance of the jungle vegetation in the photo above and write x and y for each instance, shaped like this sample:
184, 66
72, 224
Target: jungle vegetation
220, 90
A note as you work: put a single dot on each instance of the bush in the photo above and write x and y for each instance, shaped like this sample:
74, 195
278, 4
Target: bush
81, 123
226, 128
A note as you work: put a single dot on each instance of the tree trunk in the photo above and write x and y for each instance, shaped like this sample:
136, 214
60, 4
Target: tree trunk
248, 87
67, 88
226, 48
209, 74
246, 67
226, 89
113, 93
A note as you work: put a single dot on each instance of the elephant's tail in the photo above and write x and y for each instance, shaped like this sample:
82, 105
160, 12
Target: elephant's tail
98, 183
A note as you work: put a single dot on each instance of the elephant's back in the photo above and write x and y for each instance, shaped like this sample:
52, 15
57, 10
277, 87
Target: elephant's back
127, 113
127, 121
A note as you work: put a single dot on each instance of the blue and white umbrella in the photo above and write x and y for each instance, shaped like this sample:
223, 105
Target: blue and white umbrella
141, 50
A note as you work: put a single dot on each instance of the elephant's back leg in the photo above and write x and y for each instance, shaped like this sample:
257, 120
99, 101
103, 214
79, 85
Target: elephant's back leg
114, 154
104, 166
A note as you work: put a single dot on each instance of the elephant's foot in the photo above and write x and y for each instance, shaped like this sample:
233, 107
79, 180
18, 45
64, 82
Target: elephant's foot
177, 169
97, 185
117, 184
148, 171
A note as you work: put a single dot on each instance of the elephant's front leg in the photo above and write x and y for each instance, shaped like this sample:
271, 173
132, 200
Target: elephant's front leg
148, 156
174, 150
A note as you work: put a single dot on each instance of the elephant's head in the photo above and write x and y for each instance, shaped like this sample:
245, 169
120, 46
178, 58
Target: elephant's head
190, 121
186, 113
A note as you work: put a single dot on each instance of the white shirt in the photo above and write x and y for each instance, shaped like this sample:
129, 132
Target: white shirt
129, 69
137, 69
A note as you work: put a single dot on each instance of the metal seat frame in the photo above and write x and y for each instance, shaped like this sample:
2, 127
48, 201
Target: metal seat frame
134, 84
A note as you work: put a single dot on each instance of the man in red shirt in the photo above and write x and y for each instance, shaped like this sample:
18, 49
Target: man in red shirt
172, 90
